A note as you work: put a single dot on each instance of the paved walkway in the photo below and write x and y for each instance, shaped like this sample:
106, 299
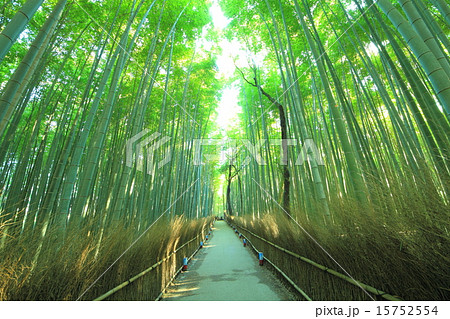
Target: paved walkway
225, 270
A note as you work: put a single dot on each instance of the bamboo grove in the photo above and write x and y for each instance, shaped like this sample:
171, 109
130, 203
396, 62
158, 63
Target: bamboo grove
360, 90
348, 115
93, 77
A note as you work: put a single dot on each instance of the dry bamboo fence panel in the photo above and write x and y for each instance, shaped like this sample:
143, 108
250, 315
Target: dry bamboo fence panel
154, 266
354, 282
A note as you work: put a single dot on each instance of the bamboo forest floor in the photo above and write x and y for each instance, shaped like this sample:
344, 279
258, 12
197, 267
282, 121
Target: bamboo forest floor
225, 270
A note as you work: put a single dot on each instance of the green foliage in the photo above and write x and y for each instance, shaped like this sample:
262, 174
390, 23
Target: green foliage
344, 75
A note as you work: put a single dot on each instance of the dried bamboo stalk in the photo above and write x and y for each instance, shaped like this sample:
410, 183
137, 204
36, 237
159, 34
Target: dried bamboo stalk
129, 281
354, 282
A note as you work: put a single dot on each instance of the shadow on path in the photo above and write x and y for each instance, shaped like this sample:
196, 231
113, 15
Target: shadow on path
226, 270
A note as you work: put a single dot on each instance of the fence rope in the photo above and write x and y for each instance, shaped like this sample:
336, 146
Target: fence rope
129, 281
357, 283
296, 287
175, 275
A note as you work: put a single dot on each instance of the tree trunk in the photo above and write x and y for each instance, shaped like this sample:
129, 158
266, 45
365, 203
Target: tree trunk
17, 24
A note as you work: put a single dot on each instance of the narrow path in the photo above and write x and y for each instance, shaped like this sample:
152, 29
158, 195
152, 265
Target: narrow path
226, 270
